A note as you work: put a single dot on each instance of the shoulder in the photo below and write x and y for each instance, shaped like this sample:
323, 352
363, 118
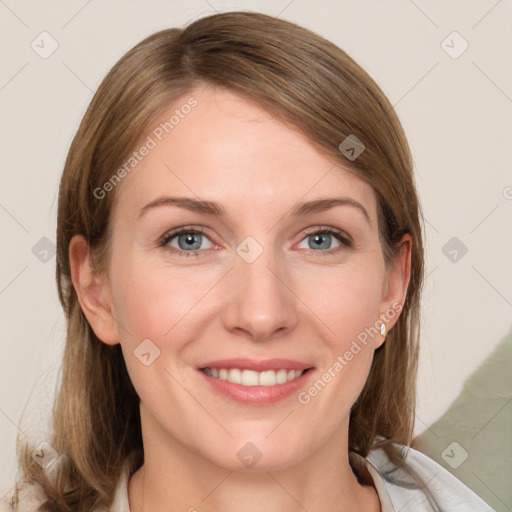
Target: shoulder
420, 484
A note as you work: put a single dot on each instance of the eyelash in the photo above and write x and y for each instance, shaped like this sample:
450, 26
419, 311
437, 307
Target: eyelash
336, 233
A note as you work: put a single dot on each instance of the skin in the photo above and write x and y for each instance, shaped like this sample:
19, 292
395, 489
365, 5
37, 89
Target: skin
293, 301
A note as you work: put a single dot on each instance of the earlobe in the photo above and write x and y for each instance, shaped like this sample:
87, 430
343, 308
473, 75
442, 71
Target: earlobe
395, 291
93, 291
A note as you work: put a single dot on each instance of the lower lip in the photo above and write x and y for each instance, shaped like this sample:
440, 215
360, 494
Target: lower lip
258, 395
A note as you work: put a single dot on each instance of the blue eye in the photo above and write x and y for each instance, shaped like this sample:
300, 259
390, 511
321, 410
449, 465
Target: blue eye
189, 242
321, 240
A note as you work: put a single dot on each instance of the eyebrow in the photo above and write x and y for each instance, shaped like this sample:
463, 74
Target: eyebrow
213, 208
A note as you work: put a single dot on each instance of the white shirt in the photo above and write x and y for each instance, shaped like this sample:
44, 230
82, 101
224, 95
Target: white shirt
419, 485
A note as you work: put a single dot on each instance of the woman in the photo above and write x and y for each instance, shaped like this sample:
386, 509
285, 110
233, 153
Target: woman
240, 259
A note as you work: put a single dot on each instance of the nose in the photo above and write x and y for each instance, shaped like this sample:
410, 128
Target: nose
260, 301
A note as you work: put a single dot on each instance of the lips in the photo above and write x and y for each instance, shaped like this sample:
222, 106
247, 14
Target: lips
256, 382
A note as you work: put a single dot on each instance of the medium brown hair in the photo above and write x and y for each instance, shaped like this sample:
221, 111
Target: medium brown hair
303, 80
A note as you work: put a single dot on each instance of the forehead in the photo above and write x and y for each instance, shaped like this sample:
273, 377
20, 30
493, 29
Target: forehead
226, 148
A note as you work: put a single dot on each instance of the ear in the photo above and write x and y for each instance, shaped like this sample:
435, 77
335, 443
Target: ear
395, 287
93, 291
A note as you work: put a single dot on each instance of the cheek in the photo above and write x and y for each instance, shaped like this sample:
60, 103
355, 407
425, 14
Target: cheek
349, 307
153, 308
160, 305
152, 303
346, 299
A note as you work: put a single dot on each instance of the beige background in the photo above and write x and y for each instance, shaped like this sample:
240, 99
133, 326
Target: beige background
457, 113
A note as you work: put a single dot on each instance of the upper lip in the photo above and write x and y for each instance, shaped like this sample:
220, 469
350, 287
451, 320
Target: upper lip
257, 365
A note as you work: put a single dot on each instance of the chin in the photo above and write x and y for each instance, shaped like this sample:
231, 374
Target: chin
257, 454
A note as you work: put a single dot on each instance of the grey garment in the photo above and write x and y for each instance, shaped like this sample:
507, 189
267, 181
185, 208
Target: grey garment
420, 485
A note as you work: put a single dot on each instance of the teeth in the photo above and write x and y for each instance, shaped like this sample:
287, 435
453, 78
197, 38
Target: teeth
235, 376
252, 378
249, 378
267, 378
281, 376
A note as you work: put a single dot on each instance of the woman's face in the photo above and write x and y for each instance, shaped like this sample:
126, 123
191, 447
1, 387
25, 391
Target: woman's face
273, 286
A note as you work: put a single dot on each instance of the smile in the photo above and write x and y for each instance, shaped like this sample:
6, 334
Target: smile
251, 377
255, 382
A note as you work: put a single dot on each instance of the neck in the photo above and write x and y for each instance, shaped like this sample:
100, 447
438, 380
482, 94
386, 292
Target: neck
174, 478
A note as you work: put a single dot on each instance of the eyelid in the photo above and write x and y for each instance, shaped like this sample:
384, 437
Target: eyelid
175, 231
